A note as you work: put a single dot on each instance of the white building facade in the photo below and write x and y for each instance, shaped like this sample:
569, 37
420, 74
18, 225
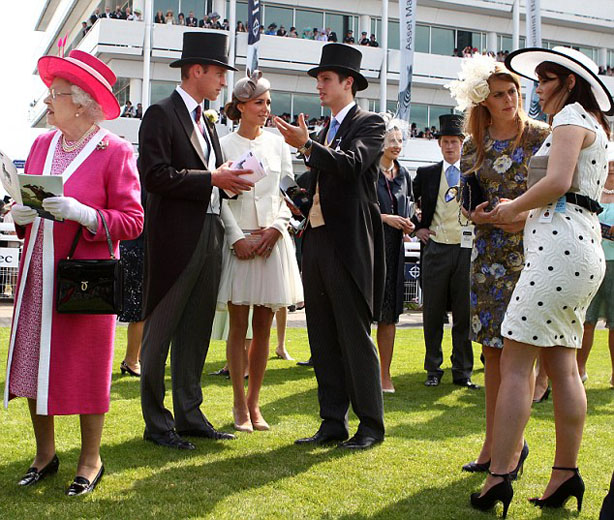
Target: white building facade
442, 27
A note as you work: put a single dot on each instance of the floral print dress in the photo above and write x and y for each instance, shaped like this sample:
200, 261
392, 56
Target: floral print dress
497, 257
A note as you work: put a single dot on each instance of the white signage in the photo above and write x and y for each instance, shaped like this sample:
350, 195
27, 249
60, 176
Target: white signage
9, 257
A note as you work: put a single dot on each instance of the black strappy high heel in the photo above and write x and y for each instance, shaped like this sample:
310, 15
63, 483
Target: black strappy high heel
572, 487
501, 492
519, 469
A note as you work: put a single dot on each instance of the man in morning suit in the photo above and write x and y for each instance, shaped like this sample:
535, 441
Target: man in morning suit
343, 252
445, 261
180, 162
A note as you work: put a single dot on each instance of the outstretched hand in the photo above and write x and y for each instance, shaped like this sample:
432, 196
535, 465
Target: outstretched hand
231, 180
295, 136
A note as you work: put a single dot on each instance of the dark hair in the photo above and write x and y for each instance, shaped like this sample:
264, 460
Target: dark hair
580, 93
185, 69
343, 76
231, 110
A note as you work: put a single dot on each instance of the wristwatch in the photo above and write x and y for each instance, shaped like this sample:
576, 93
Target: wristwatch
306, 148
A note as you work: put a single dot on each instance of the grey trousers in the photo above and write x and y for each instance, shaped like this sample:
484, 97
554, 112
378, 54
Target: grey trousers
344, 357
445, 283
184, 317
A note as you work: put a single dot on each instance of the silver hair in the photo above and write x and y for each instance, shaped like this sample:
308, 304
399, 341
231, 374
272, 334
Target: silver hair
393, 123
92, 108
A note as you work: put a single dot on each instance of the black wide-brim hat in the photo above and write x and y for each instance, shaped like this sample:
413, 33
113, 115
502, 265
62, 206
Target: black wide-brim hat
451, 125
524, 61
205, 48
340, 57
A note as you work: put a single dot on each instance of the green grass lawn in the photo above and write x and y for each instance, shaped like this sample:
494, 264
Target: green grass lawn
415, 473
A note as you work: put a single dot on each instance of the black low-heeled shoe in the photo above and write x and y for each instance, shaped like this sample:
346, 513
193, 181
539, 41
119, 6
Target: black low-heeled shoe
501, 492
33, 475
123, 366
519, 469
476, 467
82, 486
572, 487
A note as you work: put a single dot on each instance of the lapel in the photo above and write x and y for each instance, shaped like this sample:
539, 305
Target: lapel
188, 125
435, 179
343, 129
215, 141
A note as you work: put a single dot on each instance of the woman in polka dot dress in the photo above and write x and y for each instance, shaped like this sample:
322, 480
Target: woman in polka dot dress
564, 266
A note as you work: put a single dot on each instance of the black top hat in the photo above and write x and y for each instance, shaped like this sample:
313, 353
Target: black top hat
339, 57
206, 48
451, 124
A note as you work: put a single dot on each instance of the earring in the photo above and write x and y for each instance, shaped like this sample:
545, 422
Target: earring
76, 114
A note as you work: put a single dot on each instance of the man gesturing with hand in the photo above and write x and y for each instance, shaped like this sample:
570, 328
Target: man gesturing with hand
182, 170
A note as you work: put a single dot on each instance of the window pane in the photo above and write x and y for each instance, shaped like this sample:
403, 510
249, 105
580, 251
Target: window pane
121, 89
308, 20
280, 102
434, 114
165, 5
588, 51
469, 39
442, 41
197, 6
339, 24
277, 15
161, 89
242, 12
611, 58
308, 105
394, 36
422, 38
419, 115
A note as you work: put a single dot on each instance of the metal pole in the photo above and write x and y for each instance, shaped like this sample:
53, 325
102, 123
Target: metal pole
515, 25
383, 78
148, 19
232, 20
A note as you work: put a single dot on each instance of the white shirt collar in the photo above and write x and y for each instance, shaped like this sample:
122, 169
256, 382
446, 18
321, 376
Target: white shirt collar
343, 112
189, 101
446, 165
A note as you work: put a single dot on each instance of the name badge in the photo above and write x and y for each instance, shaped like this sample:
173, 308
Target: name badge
561, 204
467, 237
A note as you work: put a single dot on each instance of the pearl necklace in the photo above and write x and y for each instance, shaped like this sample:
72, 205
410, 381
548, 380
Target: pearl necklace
608, 192
388, 172
72, 147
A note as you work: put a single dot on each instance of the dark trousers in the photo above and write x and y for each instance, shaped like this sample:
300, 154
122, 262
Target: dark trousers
183, 318
445, 283
339, 329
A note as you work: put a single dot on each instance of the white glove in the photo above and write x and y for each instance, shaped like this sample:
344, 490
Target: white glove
23, 215
68, 208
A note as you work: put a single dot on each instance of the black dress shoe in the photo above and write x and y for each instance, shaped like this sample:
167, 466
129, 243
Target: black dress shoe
432, 380
476, 467
221, 372
33, 475
467, 383
359, 442
308, 363
321, 438
169, 439
209, 433
82, 486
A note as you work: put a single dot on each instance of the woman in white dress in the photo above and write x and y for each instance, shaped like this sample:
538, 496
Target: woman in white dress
564, 266
259, 269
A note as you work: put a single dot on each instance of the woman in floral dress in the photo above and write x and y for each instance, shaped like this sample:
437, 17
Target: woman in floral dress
501, 139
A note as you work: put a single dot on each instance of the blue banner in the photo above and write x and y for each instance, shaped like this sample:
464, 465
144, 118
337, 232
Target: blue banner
253, 35
407, 18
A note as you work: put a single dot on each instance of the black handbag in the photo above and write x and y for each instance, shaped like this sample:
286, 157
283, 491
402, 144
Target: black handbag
471, 194
90, 286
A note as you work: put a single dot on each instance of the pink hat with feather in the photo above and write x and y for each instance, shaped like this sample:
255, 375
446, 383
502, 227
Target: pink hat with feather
86, 71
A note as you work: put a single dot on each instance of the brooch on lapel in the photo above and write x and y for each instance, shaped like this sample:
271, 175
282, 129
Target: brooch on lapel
211, 115
102, 145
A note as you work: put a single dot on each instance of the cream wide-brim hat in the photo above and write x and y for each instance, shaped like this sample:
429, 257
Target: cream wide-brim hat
524, 62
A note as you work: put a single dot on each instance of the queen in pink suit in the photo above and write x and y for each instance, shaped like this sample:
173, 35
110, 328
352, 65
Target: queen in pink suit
62, 362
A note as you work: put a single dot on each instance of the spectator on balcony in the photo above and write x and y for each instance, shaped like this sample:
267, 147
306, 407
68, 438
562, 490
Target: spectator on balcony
226, 25
128, 110
240, 27
323, 36
129, 15
413, 130
332, 36
138, 15
373, 41
84, 29
363, 38
215, 20
316, 34
94, 16
307, 33
191, 20
271, 29
159, 17
169, 19
118, 14
107, 13
282, 31
180, 19
349, 37
292, 33
138, 113
205, 23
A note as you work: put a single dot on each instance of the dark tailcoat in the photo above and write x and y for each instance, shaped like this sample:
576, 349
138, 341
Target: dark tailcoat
178, 184
426, 188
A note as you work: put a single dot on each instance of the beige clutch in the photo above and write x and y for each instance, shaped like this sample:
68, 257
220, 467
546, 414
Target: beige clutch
538, 165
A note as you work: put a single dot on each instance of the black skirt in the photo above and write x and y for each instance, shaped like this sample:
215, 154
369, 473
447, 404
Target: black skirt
132, 256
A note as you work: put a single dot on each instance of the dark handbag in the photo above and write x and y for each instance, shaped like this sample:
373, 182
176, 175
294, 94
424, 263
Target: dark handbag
471, 194
90, 286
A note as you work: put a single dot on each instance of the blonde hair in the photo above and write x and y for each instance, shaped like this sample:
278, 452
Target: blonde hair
478, 118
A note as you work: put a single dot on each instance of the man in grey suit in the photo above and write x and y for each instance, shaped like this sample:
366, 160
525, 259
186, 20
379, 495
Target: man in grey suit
180, 162
445, 258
